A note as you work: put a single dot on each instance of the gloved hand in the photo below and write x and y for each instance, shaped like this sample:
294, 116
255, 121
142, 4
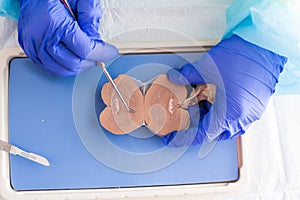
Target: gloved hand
53, 39
245, 76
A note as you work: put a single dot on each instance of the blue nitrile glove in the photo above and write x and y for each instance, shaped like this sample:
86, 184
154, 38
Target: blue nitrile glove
53, 39
245, 76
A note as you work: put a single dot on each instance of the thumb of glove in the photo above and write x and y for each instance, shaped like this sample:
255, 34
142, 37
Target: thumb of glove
187, 75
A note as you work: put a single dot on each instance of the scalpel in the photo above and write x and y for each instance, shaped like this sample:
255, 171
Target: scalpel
9, 148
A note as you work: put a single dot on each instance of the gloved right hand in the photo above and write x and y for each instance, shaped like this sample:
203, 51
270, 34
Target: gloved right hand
58, 43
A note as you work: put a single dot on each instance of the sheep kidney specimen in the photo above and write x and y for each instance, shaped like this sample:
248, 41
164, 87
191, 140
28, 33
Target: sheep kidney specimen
161, 111
115, 117
158, 109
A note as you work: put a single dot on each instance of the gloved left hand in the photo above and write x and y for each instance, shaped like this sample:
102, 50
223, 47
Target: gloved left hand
245, 76
58, 43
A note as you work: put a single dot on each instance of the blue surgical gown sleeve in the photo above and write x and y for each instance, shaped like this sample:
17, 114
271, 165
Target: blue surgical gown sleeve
273, 25
10, 8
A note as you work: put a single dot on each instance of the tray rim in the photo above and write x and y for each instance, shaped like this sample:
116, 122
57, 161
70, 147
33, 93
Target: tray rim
152, 192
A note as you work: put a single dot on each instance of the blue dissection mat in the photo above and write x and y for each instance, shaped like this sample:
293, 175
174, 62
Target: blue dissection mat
57, 117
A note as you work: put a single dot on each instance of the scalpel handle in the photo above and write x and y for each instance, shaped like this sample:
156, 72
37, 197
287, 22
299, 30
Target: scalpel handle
4, 146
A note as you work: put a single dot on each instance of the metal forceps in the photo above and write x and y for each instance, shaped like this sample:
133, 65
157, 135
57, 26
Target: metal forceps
101, 65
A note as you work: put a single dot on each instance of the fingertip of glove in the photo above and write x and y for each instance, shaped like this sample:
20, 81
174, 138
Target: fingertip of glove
177, 78
183, 138
103, 52
111, 52
113, 49
167, 139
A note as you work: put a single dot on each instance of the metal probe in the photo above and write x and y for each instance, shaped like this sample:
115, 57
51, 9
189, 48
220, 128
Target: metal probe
102, 66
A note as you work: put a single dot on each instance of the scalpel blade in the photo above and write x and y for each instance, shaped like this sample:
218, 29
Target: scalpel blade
4, 146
